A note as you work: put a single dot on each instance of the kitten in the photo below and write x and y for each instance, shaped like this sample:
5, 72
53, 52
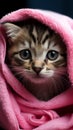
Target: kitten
37, 57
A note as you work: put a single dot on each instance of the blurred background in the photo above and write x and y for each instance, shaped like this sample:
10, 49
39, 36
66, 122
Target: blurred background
61, 6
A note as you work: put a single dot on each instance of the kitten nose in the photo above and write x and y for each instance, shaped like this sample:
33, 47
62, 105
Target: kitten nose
37, 69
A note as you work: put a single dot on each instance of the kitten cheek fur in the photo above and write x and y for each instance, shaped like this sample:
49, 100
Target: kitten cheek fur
18, 108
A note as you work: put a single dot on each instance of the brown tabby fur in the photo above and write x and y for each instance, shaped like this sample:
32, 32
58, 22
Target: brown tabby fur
37, 57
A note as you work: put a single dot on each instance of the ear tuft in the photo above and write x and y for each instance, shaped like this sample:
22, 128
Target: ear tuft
11, 30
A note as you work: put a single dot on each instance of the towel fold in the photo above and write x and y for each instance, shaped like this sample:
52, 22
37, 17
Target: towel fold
19, 109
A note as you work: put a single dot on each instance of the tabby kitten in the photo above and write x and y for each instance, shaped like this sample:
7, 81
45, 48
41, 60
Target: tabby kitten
37, 57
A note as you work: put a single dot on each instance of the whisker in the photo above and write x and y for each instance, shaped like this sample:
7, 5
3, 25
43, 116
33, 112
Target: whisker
63, 82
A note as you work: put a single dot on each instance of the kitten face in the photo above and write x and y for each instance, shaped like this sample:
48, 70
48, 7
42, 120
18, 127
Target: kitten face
35, 54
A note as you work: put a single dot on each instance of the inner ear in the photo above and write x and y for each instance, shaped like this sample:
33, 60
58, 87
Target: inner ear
11, 30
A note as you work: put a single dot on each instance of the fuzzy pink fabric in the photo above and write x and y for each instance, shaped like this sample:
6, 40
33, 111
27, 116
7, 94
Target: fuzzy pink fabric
20, 110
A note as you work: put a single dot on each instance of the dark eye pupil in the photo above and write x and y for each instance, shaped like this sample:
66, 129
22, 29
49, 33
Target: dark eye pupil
52, 55
25, 54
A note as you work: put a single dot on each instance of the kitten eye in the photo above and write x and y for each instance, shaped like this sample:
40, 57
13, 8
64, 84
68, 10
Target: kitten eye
25, 54
52, 55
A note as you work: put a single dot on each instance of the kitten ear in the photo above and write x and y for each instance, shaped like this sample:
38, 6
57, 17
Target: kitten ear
11, 30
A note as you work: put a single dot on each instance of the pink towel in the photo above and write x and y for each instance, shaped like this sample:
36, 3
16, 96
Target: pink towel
20, 110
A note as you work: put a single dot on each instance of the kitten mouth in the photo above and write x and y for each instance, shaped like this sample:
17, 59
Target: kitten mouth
41, 75
37, 76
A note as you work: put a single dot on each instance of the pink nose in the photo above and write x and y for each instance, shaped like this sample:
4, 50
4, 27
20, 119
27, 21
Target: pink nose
37, 69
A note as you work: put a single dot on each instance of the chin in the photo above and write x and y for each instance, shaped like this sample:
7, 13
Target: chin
52, 85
